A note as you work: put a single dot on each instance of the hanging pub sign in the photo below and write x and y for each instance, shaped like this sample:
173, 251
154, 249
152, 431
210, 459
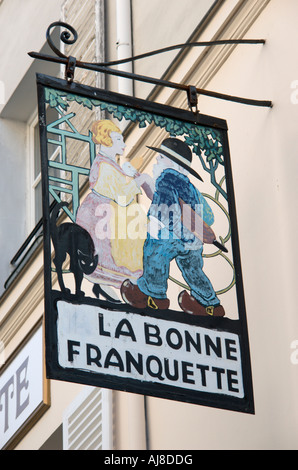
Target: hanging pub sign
143, 284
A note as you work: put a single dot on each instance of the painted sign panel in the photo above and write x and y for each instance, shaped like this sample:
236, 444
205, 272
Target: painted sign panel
139, 347
144, 289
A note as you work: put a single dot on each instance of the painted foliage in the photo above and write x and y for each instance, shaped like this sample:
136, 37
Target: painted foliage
151, 254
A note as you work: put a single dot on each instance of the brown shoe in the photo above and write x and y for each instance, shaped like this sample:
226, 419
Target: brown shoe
133, 296
158, 304
190, 305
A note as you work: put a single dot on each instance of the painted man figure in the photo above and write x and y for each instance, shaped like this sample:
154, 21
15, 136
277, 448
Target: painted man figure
169, 239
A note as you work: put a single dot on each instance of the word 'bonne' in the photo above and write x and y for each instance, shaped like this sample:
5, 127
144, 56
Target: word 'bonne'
201, 344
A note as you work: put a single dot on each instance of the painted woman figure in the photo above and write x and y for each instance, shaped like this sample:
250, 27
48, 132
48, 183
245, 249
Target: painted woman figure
109, 207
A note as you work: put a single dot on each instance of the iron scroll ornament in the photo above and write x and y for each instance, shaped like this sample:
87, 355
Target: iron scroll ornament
64, 37
71, 62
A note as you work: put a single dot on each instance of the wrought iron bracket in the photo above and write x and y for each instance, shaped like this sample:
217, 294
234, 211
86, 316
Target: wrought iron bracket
192, 99
70, 69
71, 62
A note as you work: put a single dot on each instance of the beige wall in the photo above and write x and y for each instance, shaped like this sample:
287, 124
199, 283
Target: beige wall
155, 25
17, 36
263, 145
22, 29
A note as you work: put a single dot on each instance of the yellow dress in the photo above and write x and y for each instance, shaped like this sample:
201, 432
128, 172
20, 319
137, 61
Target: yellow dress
116, 222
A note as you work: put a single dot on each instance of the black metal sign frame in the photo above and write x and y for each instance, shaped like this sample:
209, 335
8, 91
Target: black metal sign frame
224, 340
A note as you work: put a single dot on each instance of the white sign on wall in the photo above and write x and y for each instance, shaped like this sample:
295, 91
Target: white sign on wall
21, 389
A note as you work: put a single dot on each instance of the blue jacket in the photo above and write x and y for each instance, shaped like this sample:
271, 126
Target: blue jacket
169, 187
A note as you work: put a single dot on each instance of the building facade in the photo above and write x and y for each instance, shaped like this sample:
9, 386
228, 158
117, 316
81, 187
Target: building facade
37, 413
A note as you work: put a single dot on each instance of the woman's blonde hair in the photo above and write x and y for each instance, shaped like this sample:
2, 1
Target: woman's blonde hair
101, 131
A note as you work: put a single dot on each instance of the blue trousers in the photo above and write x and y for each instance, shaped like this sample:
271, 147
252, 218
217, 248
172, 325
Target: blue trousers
156, 265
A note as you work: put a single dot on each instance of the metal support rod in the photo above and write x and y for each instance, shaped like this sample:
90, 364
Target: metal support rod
192, 92
154, 81
186, 45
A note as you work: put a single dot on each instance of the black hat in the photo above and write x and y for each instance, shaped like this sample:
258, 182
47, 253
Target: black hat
179, 152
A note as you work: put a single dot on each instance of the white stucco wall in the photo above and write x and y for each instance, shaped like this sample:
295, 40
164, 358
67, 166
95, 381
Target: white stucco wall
263, 146
18, 100
19, 38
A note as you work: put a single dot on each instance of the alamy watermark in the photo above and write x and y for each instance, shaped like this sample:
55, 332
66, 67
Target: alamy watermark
294, 354
163, 221
2, 92
294, 94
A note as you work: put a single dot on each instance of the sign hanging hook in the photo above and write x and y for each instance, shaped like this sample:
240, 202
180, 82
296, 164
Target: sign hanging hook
70, 68
192, 97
